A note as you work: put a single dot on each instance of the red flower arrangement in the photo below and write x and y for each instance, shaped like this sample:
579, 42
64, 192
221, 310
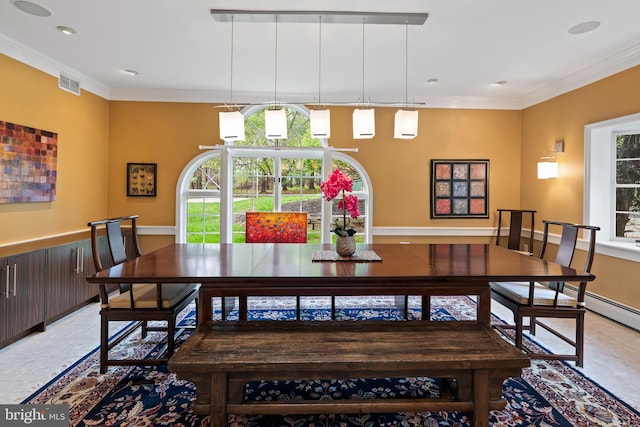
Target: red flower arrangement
337, 184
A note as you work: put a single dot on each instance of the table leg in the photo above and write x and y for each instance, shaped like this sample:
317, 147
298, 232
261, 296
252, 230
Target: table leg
484, 305
205, 308
242, 308
426, 308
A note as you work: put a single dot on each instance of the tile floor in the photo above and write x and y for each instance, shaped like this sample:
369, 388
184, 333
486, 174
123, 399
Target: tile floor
25, 366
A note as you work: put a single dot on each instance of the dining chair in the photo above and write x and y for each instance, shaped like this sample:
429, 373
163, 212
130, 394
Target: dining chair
515, 236
151, 306
537, 300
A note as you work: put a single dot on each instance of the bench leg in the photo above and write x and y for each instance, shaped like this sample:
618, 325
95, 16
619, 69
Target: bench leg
218, 416
481, 398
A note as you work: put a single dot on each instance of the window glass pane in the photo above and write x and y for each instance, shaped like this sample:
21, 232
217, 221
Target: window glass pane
253, 187
207, 176
628, 199
628, 171
300, 189
628, 146
203, 219
628, 225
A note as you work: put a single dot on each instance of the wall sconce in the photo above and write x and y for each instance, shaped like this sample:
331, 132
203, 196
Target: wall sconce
548, 165
547, 168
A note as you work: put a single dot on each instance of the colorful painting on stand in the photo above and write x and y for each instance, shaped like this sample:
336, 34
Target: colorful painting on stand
459, 188
276, 227
28, 164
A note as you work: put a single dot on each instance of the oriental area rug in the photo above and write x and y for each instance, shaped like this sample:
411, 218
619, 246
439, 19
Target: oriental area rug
549, 393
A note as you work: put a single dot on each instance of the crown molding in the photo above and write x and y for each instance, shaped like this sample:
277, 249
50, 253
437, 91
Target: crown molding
614, 64
48, 65
607, 67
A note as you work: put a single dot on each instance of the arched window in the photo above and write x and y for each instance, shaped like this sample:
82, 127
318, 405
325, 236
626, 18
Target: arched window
217, 187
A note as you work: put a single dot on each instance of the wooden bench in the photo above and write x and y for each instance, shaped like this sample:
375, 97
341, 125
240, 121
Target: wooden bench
221, 357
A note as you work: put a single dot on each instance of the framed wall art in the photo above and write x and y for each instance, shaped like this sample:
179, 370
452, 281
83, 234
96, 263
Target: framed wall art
142, 179
28, 164
459, 188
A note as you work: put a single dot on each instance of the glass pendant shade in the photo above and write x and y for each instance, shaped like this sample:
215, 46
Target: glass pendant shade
275, 124
320, 123
364, 123
405, 124
547, 169
231, 126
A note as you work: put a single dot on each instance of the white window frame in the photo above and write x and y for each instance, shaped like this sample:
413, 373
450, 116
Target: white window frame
228, 151
600, 183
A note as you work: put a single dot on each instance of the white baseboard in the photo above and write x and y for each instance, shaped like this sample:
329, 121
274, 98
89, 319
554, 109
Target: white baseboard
613, 310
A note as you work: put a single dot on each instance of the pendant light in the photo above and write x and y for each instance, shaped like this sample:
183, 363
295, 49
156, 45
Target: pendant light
406, 121
275, 120
231, 123
364, 122
320, 120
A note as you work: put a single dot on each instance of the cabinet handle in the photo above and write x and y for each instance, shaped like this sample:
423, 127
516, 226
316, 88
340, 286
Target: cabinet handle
77, 269
15, 279
8, 270
81, 260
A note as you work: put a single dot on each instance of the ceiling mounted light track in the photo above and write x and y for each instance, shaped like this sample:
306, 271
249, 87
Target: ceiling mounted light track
328, 17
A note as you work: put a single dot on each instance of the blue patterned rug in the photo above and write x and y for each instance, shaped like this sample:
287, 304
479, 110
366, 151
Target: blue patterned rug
550, 393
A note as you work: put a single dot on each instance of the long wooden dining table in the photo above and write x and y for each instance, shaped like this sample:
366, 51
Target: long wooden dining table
221, 356
289, 269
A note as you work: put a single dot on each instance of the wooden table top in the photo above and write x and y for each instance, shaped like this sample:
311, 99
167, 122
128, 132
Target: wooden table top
264, 264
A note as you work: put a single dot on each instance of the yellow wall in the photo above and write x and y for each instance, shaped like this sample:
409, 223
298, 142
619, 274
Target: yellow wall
97, 138
564, 117
169, 134
32, 98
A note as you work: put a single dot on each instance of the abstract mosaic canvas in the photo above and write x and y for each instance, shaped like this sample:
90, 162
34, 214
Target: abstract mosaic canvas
28, 164
271, 227
459, 188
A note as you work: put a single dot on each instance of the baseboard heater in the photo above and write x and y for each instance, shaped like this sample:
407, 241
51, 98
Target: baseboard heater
613, 310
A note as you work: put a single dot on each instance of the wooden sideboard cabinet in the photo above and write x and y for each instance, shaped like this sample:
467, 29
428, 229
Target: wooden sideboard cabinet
22, 294
67, 288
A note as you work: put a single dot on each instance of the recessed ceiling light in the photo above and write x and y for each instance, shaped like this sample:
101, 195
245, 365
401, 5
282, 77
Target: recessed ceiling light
584, 27
131, 72
66, 30
500, 83
32, 8
432, 81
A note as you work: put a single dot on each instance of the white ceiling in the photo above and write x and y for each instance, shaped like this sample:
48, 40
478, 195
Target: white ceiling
182, 54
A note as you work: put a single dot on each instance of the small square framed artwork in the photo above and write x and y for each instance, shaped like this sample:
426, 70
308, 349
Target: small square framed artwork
459, 188
142, 179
